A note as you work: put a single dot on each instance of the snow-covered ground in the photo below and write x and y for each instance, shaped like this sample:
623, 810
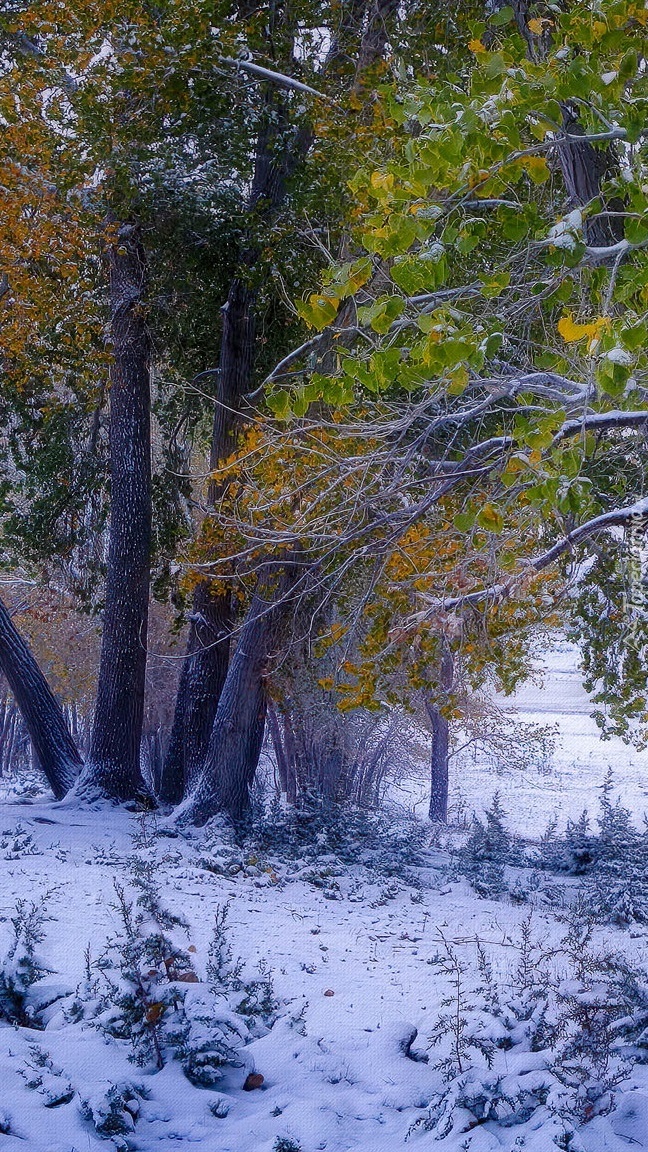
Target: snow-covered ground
352, 975
578, 768
353, 964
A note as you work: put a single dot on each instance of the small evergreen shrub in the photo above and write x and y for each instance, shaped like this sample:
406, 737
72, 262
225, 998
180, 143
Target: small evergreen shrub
114, 1113
613, 862
153, 999
18, 842
490, 847
388, 843
552, 1043
43, 1076
22, 966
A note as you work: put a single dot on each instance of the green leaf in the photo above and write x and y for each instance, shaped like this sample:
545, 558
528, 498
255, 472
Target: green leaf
495, 285
629, 65
381, 315
635, 337
490, 518
417, 274
464, 521
503, 16
318, 310
279, 404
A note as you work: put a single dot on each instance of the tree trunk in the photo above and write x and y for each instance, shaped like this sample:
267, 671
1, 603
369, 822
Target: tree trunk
279, 750
9, 751
113, 768
56, 751
439, 761
438, 765
583, 168
280, 148
224, 782
208, 647
290, 747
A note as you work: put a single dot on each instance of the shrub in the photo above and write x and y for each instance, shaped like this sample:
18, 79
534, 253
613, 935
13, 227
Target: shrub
553, 1044
22, 966
152, 998
613, 862
488, 849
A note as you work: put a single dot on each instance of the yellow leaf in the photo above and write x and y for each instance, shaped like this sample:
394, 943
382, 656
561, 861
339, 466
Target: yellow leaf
571, 331
476, 46
537, 168
537, 25
382, 180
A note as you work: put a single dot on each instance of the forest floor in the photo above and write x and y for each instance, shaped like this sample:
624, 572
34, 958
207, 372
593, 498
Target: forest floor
352, 953
352, 964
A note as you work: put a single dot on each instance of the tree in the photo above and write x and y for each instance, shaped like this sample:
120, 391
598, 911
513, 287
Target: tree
455, 427
113, 768
56, 751
440, 751
285, 138
223, 784
476, 373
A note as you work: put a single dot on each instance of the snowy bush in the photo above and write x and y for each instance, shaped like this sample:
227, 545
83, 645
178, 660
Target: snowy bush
556, 1040
22, 967
286, 1144
114, 1112
18, 842
388, 842
153, 998
613, 861
490, 847
42, 1075
144, 990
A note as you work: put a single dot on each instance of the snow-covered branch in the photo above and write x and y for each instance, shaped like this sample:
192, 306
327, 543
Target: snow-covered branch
502, 591
601, 420
275, 77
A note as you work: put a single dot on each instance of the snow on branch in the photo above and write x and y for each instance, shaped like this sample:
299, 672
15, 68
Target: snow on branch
617, 517
275, 77
601, 420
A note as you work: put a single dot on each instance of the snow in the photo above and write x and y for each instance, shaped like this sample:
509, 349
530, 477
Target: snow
566, 232
619, 355
573, 779
336, 1073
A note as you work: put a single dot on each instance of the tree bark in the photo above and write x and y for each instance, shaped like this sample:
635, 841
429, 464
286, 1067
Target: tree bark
43, 717
224, 782
279, 750
113, 768
292, 765
583, 168
439, 759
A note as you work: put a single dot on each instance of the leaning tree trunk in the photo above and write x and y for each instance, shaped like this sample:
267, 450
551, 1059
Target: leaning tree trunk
224, 782
440, 754
43, 717
113, 768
